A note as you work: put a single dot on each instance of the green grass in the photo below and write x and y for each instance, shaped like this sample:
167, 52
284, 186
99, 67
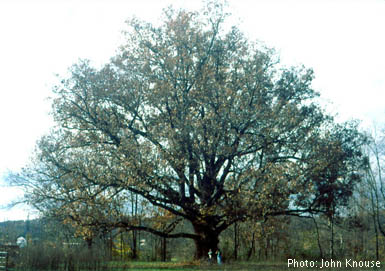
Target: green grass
195, 266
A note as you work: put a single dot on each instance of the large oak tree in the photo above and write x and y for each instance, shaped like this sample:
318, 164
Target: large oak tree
199, 121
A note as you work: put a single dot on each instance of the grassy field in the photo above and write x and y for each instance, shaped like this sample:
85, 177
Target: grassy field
195, 266
160, 266
247, 266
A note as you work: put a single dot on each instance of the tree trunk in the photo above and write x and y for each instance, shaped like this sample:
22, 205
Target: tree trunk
252, 247
331, 221
134, 245
134, 213
236, 241
89, 242
208, 239
318, 238
164, 249
121, 246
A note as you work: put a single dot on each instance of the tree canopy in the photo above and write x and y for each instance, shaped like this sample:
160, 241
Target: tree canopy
199, 121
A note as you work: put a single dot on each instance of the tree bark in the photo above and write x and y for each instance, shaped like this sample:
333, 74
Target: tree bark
89, 242
252, 247
235, 241
208, 239
134, 245
134, 213
318, 238
164, 249
331, 221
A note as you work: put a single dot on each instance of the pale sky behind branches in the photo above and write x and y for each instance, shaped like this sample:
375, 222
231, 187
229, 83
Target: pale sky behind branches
343, 41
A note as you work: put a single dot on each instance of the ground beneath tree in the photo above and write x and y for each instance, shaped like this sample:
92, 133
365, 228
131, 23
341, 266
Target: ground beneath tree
193, 266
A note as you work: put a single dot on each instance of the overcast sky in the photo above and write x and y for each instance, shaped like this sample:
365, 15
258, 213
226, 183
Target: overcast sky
343, 41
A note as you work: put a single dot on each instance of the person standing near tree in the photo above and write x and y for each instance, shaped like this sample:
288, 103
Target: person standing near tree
210, 253
219, 257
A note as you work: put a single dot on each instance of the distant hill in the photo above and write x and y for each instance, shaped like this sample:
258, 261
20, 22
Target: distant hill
11, 230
